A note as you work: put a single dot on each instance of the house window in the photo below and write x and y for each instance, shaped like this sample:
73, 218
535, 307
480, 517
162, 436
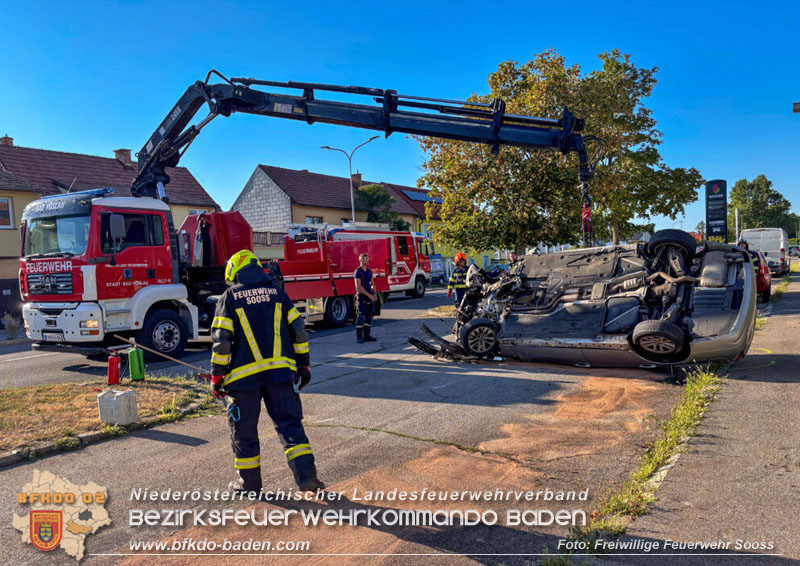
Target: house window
6, 214
197, 211
313, 219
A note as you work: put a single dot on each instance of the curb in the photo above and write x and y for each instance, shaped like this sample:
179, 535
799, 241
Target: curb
84, 439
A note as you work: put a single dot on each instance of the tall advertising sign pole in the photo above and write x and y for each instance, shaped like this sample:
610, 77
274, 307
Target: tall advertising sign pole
717, 208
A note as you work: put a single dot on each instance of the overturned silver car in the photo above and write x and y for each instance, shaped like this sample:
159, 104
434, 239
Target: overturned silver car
663, 302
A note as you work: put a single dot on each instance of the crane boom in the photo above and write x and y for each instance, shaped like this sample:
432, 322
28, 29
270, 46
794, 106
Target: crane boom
455, 120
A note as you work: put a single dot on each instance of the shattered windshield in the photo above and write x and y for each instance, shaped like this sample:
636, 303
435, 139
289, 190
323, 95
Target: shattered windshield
56, 236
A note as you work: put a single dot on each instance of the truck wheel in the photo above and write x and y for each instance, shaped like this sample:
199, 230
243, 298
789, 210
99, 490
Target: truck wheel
676, 238
419, 287
165, 331
659, 341
479, 337
337, 311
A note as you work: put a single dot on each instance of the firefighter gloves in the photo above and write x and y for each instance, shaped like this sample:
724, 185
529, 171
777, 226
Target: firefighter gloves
216, 386
303, 376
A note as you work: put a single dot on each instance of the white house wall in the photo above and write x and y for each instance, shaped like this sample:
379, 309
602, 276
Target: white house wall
264, 204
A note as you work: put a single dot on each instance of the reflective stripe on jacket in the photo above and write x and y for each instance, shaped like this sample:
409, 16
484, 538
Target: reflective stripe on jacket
458, 280
256, 329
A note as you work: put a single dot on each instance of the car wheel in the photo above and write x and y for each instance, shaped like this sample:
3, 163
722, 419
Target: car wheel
659, 341
675, 238
419, 287
337, 311
765, 295
479, 337
164, 331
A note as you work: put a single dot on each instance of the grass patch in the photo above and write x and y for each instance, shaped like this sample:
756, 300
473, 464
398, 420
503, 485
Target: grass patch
780, 289
58, 413
617, 507
760, 322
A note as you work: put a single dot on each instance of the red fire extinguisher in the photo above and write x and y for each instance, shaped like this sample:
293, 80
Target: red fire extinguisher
113, 370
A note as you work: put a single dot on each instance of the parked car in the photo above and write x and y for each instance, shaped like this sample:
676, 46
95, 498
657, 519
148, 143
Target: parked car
773, 243
661, 302
763, 276
794, 251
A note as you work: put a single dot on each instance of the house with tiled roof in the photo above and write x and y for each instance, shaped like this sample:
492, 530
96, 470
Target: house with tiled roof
274, 197
27, 174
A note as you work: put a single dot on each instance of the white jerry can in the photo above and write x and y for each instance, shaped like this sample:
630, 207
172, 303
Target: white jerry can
118, 407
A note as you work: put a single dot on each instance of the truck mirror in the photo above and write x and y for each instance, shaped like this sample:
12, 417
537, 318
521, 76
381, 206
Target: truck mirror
116, 226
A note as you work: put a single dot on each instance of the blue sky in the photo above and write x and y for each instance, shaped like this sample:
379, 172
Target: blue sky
102, 76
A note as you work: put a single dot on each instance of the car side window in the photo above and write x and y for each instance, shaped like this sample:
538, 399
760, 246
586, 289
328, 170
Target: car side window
402, 244
140, 230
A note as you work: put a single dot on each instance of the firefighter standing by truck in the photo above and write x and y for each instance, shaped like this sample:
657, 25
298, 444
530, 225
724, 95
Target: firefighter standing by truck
260, 347
366, 298
458, 279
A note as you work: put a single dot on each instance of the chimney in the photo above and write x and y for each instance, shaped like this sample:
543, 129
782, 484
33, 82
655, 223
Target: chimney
124, 156
7, 141
357, 180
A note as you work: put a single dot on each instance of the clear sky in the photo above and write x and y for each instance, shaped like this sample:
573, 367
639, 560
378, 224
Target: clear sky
91, 77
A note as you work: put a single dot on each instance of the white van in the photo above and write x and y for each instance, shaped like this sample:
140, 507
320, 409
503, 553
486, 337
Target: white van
773, 243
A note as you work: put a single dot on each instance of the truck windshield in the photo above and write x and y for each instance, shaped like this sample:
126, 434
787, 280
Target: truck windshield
56, 236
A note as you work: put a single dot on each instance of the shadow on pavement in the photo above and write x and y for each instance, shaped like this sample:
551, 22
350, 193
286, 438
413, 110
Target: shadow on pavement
170, 437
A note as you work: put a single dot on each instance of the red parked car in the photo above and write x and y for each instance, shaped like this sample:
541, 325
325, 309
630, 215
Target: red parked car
763, 275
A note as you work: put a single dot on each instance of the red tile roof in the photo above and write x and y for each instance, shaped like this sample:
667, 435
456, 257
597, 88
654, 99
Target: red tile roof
10, 182
327, 191
55, 171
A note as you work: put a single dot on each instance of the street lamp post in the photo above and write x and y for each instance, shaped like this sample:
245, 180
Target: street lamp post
350, 166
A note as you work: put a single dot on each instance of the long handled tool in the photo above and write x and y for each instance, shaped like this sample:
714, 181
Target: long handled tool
199, 370
157, 353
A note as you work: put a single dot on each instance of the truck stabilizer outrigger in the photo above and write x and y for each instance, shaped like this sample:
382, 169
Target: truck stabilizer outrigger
487, 123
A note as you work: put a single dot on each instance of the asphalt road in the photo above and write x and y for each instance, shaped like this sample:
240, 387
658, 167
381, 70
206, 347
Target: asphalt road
21, 366
381, 416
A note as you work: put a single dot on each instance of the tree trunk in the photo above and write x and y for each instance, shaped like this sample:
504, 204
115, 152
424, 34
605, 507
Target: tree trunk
614, 231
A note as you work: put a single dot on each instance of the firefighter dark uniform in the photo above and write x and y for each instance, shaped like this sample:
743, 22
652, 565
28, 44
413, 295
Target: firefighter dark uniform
365, 308
458, 282
259, 341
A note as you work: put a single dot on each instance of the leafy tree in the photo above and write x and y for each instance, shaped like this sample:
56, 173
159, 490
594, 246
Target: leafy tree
523, 196
377, 202
760, 206
701, 228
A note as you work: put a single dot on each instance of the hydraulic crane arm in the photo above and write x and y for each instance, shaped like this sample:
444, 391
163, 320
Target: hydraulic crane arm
465, 121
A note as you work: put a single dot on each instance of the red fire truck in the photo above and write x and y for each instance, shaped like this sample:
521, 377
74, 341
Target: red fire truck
93, 265
410, 267
318, 272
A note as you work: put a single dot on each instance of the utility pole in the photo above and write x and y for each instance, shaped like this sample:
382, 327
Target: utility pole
350, 166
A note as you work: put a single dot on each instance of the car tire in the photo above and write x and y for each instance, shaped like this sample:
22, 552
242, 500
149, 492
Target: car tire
419, 288
337, 311
478, 337
659, 341
164, 331
672, 237
765, 295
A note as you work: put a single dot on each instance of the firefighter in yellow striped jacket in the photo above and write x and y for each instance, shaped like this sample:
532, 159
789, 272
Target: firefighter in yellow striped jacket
260, 347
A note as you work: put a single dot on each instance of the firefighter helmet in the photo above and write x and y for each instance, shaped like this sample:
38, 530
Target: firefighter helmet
459, 257
239, 260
